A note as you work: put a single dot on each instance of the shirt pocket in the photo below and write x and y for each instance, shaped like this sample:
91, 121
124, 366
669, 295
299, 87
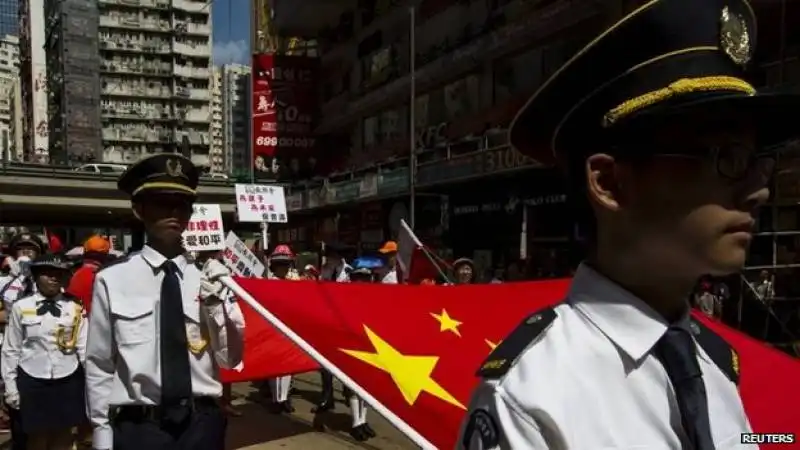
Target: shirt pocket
32, 326
134, 322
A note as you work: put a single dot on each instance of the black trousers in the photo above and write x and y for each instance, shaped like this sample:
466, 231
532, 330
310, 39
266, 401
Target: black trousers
139, 428
19, 440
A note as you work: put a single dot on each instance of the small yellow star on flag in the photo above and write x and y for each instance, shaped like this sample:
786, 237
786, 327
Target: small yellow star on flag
447, 323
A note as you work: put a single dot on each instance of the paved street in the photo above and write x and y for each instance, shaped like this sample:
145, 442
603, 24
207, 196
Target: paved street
257, 429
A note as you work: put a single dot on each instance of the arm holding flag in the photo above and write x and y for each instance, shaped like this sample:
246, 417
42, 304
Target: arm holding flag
224, 317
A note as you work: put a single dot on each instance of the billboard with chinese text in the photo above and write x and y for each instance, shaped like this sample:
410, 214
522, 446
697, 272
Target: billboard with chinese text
284, 112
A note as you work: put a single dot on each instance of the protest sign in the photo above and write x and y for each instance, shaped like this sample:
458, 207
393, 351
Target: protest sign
260, 203
240, 259
205, 230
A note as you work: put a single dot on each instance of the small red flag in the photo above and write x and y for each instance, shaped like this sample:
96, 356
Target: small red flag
53, 242
416, 349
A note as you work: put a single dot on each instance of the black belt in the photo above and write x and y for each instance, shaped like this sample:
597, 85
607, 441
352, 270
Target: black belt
156, 412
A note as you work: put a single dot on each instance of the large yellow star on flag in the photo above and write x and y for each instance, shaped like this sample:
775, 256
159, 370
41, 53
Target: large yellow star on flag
447, 323
411, 373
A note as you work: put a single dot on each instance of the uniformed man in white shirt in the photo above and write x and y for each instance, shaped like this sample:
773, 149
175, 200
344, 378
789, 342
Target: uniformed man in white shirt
42, 358
159, 329
662, 137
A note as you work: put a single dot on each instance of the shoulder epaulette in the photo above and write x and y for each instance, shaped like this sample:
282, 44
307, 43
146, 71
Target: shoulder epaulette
113, 263
506, 353
722, 353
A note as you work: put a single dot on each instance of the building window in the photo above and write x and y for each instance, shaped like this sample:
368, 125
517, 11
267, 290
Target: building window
384, 127
371, 131
521, 74
462, 97
378, 67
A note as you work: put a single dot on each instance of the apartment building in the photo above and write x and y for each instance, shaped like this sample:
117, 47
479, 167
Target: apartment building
235, 88
217, 149
155, 78
33, 81
10, 99
73, 82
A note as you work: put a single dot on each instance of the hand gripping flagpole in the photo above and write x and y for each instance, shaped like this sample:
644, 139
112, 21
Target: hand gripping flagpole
324, 362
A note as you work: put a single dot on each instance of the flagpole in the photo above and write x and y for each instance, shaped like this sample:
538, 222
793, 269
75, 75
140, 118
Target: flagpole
412, 155
401, 425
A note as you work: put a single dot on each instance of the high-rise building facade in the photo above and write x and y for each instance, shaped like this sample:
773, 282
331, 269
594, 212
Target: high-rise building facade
217, 150
155, 72
73, 82
33, 81
10, 100
235, 87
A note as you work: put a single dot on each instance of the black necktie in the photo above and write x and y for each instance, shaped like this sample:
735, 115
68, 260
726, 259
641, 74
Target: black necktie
678, 353
48, 305
176, 377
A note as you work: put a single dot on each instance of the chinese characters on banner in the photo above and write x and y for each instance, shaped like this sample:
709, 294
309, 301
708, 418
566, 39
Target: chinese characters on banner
240, 259
205, 230
284, 109
261, 203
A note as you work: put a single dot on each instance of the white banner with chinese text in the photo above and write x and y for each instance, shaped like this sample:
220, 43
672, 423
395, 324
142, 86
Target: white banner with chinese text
261, 203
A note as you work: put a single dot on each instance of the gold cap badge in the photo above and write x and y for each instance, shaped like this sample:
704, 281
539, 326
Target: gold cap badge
174, 168
734, 37
735, 361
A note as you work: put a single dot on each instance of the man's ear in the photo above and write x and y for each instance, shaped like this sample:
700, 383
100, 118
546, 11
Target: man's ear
602, 181
136, 207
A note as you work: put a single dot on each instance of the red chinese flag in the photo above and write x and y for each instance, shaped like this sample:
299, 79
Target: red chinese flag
416, 348
267, 352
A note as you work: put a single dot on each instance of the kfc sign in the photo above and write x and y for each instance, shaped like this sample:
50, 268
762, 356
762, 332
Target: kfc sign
284, 109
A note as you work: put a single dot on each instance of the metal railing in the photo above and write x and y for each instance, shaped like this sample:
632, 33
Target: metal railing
18, 169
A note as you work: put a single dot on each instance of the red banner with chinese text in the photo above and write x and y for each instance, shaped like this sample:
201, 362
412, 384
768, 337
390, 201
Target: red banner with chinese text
284, 110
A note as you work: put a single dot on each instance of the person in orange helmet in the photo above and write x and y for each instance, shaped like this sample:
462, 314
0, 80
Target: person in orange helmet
95, 254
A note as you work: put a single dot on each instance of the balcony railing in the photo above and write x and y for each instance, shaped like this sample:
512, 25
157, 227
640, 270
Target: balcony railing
199, 50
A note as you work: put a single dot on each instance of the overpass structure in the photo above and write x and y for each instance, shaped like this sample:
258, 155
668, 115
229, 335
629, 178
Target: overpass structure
52, 195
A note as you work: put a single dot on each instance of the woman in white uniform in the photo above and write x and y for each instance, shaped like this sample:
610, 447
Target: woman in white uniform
43, 356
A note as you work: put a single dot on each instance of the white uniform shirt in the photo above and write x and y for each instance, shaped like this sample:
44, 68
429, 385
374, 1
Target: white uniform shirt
342, 273
123, 353
44, 346
390, 277
591, 382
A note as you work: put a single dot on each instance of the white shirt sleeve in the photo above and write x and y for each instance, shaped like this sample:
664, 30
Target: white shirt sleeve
12, 347
100, 365
496, 422
226, 326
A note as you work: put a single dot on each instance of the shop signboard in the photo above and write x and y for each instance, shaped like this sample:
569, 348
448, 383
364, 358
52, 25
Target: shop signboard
488, 162
347, 191
393, 182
